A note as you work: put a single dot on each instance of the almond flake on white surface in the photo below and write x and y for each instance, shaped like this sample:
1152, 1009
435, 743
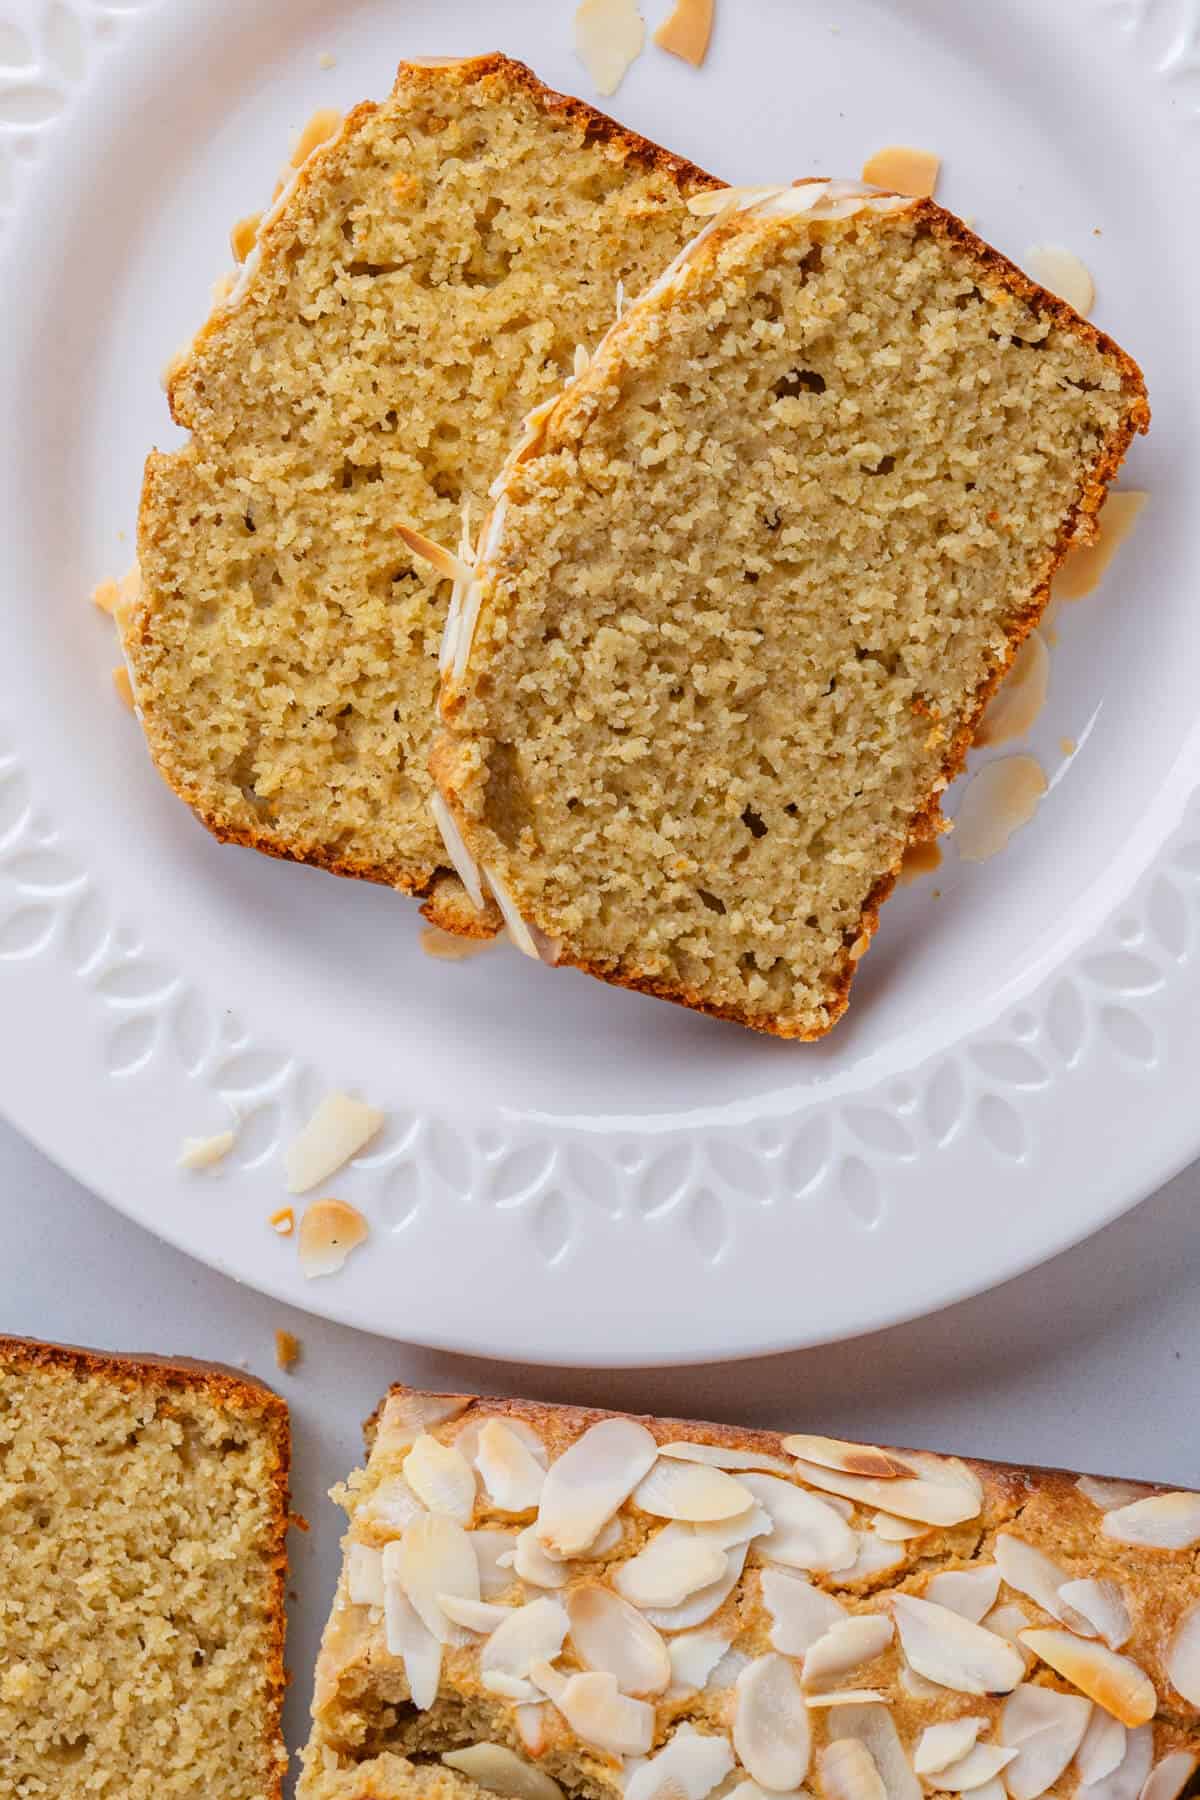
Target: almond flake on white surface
329, 1231
1183, 1656
337, 1131
848, 1772
686, 31
511, 1473
875, 1729
1096, 1609
940, 1745
800, 1613
1030, 1571
283, 1221
202, 1153
834, 1697
609, 35
435, 1556
532, 1564
691, 1492
501, 1771
948, 1502
1061, 271
534, 1633
718, 1457
807, 1534
673, 1565
364, 1575
948, 1649
1108, 1494
1046, 1729
490, 1545
1168, 1778
597, 1711
441, 1479
694, 1655
896, 1531
407, 1638
475, 1615
608, 1633
688, 1767
852, 1459
1101, 1749
846, 1646
969, 1592
975, 1769
1114, 1682
1162, 1522
771, 1730
590, 1481
531, 1726
901, 169
702, 1605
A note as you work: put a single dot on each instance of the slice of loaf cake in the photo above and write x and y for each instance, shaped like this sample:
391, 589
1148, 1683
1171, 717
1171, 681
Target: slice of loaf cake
143, 1511
422, 283
548, 1601
748, 585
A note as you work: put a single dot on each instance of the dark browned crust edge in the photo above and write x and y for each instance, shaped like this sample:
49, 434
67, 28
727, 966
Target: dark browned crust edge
238, 1392
597, 127
927, 822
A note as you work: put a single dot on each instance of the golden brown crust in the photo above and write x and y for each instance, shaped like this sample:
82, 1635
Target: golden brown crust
228, 1388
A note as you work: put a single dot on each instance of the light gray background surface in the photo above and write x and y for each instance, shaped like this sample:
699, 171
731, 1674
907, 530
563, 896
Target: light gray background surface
1090, 1361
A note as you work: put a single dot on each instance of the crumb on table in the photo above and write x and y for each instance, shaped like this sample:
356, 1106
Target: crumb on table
288, 1350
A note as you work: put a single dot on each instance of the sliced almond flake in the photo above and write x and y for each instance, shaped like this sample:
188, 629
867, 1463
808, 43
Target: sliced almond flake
1183, 1656
718, 1457
435, 1556
339, 1129
686, 31
611, 1537
405, 1416
896, 1531
407, 1637
904, 170
364, 1575
916, 1686
511, 1473
807, 1533
726, 1534
702, 1605
800, 1613
454, 844
1168, 1778
950, 1650
691, 1492
441, 1479
452, 567
530, 941
489, 1546
673, 1566
1046, 1728
597, 1711
694, 1655
1108, 1494
688, 1767
851, 1459
329, 1231
532, 1564
930, 1502
1114, 1682
1096, 1608
475, 1615
846, 1697
1030, 1571
940, 1745
534, 1633
391, 1505
610, 1634
1062, 272
848, 1772
1127, 1779
771, 1730
846, 1646
874, 1727
1102, 1747
501, 1771
510, 1687
609, 36
975, 1769
531, 1727
1008, 1621
969, 1592
1162, 1522
202, 1153
873, 1556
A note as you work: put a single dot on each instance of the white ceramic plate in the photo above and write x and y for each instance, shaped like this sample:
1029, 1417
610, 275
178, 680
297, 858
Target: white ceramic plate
571, 1173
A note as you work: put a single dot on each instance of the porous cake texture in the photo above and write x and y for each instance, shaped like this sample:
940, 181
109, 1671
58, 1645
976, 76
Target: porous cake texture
143, 1512
542, 1601
748, 585
422, 283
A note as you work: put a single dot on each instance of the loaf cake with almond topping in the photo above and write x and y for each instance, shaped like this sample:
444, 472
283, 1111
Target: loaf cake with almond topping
748, 585
546, 1601
143, 1515
421, 283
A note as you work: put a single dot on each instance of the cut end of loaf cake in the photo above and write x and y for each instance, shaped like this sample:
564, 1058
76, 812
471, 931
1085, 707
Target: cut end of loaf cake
749, 585
422, 283
143, 1513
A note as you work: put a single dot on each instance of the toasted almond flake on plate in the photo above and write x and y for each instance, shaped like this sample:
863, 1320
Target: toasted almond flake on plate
407, 1638
287, 1353
338, 1130
808, 1533
1061, 272
105, 596
1030, 1571
1169, 1777
848, 1772
969, 1592
283, 1222
501, 1771
243, 235
202, 1153
609, 35
1114, 1682
597, 1711
608, 1633
441, 1478
948, 1649
800, 1613
691, 1492
673, 1565
324, 124
1096, 1609
975, 1769
694, 1655
901, 169
329, 1231
590, 1481
948, 1502
852, 1459
533, 1633
771, 1730
1101, 1749
688, 1767
940, 1745
444, 946
1104, 1493
1162, 1522
364, 1575
1046, 1729
686, 31
846, 1646
435, 1556
511, 1473
474, 1615
1183, 1656
123, 687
